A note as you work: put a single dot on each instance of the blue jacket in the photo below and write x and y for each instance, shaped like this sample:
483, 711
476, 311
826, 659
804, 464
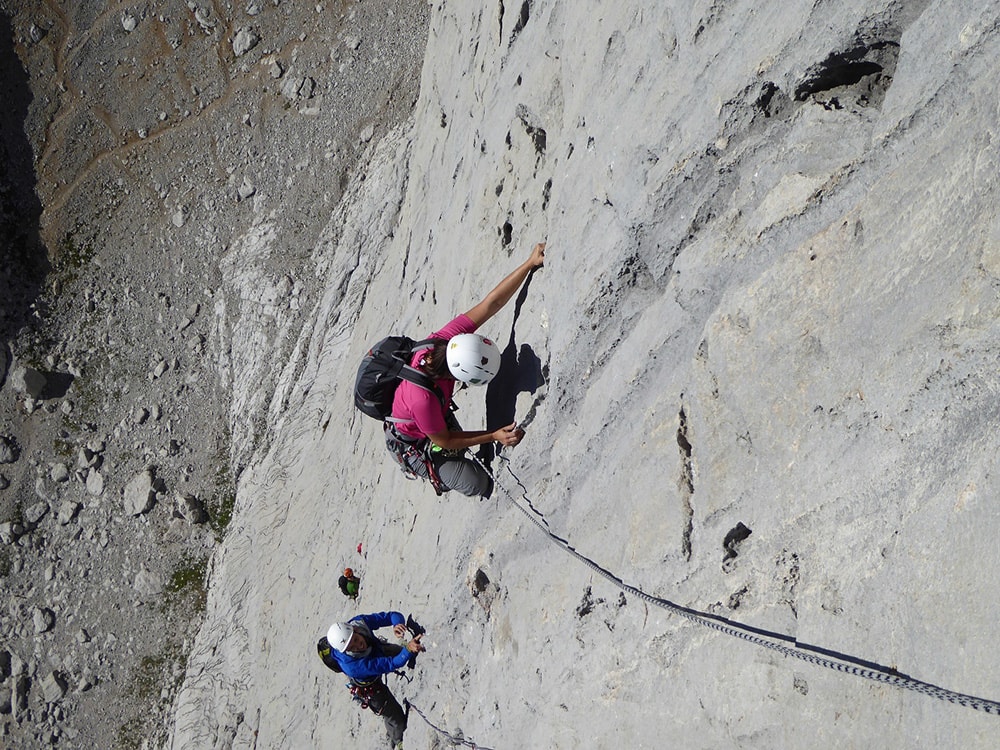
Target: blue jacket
375, 664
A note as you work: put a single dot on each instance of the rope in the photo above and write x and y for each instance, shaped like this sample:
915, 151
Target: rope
757, 636
455, 739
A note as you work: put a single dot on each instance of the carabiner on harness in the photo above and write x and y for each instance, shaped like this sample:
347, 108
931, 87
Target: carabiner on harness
409, 452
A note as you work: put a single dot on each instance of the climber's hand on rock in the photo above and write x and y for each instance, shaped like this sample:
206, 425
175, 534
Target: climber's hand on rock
415, 646
537, 255
509, 436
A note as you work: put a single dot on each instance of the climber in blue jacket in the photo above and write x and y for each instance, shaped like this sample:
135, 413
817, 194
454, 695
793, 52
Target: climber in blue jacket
364, 658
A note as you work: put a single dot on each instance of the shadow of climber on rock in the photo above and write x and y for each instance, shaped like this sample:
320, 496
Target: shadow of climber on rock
520, 372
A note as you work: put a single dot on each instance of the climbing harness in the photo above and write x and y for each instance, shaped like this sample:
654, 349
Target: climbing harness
409, 453
455, 739
766, 639
364, 692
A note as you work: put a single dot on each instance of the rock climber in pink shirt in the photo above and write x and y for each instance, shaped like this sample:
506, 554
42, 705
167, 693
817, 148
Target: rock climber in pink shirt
424, 435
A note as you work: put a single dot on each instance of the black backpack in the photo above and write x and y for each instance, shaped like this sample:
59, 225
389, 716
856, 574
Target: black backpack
326, 654
383, 367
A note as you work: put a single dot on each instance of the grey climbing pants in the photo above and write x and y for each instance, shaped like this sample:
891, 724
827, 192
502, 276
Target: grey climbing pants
376, 696
384, 704
456, 471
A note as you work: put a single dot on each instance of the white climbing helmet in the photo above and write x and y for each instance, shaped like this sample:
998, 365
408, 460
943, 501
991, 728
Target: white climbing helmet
339, 635
472, 358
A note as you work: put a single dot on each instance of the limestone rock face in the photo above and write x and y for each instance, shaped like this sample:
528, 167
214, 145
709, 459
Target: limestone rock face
769, 303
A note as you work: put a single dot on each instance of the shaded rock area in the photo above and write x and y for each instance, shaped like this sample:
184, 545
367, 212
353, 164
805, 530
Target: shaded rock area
158, 191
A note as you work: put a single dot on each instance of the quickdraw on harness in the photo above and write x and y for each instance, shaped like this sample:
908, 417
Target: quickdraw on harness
363, 692
407, 451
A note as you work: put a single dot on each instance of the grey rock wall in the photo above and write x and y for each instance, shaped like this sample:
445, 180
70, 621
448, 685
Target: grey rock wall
770, 299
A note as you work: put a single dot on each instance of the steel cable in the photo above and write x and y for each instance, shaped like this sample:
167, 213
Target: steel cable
455, 739
747, 632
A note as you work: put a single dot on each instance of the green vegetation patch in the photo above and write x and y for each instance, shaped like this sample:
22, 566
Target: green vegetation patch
220, 505
155, 671
221, 512
131, 734
188, 586
72, 257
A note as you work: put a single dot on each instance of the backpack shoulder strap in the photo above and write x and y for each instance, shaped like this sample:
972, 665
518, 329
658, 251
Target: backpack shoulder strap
419, 379
413, 375
424, 344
